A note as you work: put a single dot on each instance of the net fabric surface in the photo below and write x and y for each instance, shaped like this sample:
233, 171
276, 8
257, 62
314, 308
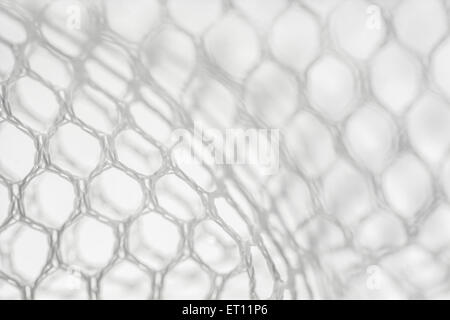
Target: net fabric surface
95, 205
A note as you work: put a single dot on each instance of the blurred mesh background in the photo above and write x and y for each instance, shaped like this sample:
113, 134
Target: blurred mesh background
94, 204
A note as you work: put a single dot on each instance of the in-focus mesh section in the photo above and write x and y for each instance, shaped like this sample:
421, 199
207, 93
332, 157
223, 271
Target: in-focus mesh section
94, 204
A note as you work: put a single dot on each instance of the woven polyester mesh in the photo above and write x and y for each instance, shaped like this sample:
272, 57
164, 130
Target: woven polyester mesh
94, 204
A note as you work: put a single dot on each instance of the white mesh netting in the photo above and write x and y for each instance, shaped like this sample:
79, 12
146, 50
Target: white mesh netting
94, 204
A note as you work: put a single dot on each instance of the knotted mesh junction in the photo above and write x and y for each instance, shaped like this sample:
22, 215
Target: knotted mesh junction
95, 204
